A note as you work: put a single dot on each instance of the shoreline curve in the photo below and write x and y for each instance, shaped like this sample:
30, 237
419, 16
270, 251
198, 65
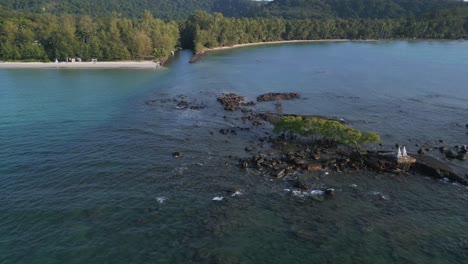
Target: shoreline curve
285, 42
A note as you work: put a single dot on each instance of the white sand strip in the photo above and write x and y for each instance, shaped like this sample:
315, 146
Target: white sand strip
284, 42
80, 65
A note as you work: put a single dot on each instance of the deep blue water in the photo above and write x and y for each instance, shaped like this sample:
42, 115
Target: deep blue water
83, 160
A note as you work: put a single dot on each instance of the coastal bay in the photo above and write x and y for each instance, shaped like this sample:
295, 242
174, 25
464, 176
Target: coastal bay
123, 165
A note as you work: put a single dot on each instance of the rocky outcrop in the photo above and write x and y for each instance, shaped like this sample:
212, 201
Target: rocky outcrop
430, 166
277, 96
232, 101
181, 103
197, 57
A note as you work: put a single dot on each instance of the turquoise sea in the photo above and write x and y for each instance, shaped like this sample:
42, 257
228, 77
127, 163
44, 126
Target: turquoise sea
87, 173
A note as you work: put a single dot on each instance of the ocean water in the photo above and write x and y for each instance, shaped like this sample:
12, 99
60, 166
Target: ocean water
87, 173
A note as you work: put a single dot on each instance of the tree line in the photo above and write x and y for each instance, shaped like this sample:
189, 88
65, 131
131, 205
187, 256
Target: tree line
203, 30
45, 37
289, 9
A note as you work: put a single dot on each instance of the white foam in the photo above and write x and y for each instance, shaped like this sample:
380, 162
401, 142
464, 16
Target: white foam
161, 199
218, 198
316, 192
237, 193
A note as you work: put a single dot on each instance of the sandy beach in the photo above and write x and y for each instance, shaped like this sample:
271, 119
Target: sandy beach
284, 42
80, 65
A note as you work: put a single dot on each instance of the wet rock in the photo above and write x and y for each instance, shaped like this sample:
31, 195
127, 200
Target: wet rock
451, 154
248, 149
182, 105
300, 185
314, 167
176, 154
432, 167
231, 191
280, 173
299, 161
461, 156
463, 150
223, 131
330, 192
315, 156
250, 103
443, 149
421, 151
197, 57
231, 101
277, 96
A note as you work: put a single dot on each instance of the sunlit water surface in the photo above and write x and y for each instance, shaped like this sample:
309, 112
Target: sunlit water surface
87, 173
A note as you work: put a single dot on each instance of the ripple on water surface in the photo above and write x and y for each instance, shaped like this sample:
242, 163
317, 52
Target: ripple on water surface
87, 172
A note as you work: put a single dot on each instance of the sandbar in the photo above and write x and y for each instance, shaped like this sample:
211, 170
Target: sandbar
81, 65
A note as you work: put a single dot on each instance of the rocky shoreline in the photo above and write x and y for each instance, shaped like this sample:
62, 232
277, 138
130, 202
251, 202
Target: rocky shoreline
296, 156
286, 158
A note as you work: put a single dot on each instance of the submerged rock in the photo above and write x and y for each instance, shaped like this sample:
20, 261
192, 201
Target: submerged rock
300, 185
176, 154
277, 96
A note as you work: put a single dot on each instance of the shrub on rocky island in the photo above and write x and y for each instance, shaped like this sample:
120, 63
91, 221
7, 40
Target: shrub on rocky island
330, 130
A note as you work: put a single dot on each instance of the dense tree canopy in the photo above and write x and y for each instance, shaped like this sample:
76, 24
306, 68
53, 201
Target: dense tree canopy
44, 36
289, 9
203, 30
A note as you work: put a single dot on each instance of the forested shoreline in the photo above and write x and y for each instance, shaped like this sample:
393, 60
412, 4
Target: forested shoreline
46, 37
202, 30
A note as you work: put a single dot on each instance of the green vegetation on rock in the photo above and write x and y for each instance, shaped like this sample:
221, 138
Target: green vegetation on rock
330, 130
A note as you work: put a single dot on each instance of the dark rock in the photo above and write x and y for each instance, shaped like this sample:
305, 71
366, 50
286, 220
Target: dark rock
443, 149
300, 185
451, 154
461, 156
231, 101
421, 151
223, 131
197, 57
432, 167
466, 125
176, 154
330, 192
277, 96
231, 190
250, 103
248, 149
182, 105
299, 161
463, 150
315, 156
